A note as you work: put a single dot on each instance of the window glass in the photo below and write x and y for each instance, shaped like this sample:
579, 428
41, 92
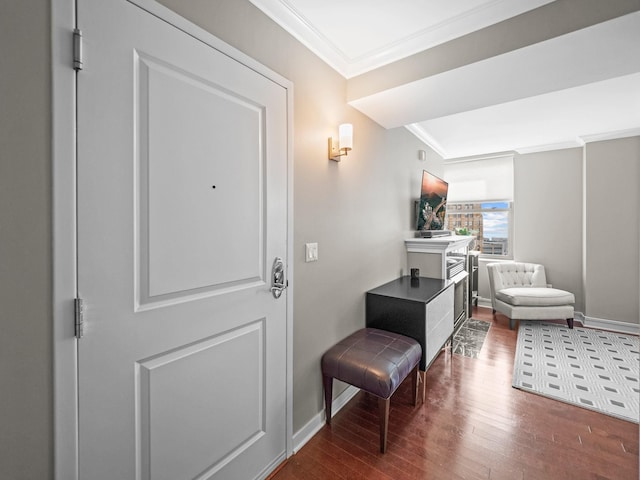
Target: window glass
489, 222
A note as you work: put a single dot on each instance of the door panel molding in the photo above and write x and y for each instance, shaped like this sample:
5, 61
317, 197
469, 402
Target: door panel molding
165, 402
177, 97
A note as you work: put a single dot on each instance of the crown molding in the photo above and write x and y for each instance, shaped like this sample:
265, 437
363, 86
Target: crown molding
476, 158
599, 137
581, 141
285, 14
577, 143
424, 137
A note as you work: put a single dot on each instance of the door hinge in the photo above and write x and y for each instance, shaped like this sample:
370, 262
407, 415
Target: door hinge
77, 50
79, 317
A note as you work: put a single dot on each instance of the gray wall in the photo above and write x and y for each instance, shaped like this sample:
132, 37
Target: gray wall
25, 242
548, 216
612, 183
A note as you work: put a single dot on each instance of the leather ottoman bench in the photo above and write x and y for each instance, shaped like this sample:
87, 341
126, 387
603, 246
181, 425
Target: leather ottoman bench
375, 361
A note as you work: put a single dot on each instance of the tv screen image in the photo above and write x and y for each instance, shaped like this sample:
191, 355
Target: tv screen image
433, 202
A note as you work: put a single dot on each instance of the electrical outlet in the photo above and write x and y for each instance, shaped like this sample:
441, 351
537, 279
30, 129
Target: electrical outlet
311, 252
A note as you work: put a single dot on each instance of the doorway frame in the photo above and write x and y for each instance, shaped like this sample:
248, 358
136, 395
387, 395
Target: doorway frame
64, 227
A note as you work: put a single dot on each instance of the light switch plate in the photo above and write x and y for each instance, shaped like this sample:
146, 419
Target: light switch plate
311, 252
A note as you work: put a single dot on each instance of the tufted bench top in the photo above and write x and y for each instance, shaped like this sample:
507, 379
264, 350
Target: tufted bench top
374, 360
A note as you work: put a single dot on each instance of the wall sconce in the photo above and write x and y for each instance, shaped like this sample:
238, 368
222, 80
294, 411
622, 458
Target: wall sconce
344, 144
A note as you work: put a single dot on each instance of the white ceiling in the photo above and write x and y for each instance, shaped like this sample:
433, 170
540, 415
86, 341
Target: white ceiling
553, 94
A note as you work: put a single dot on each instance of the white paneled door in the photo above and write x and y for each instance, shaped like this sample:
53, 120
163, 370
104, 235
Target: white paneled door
182, 209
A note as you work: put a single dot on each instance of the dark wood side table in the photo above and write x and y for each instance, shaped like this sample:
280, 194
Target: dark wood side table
420, 308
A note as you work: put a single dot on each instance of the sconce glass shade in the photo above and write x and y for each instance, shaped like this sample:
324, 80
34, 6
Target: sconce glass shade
339, 149
345, 132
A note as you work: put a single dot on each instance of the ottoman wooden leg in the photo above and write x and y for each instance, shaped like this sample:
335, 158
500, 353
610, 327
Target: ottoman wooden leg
570, 322
383, 407
328, 396
415, 384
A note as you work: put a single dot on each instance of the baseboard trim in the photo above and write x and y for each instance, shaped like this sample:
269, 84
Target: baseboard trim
306, 433
611, 325
484, 302
590, 322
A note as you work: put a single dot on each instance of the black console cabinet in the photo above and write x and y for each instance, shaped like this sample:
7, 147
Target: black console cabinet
419, 308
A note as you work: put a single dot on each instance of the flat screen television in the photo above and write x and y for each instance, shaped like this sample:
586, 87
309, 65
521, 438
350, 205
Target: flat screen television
433, 202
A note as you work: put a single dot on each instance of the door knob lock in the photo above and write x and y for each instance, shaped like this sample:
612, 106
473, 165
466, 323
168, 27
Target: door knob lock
278, 282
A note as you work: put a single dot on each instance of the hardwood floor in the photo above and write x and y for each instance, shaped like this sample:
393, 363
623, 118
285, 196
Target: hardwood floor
473, 425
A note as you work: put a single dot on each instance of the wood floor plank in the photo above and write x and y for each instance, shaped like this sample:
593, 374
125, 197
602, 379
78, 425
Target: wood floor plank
473, 425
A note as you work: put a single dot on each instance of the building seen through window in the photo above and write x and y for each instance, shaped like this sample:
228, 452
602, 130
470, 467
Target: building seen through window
489, 222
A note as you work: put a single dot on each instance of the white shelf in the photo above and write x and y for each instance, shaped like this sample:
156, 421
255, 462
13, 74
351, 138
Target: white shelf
438, 244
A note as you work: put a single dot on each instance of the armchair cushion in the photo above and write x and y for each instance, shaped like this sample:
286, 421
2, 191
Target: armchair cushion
535, 296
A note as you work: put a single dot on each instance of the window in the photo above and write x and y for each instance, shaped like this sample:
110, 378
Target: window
483, 190
489, 222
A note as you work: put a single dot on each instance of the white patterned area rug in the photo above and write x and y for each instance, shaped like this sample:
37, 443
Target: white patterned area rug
589, 368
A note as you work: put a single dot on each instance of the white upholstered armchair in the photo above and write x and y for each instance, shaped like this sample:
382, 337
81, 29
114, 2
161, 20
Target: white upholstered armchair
520, 291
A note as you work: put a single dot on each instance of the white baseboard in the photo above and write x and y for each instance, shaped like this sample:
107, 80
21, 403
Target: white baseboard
589, 322
611, 325
484, 302
302, 436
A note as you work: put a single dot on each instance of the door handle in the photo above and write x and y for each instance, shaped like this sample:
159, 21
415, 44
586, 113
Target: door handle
278, 282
